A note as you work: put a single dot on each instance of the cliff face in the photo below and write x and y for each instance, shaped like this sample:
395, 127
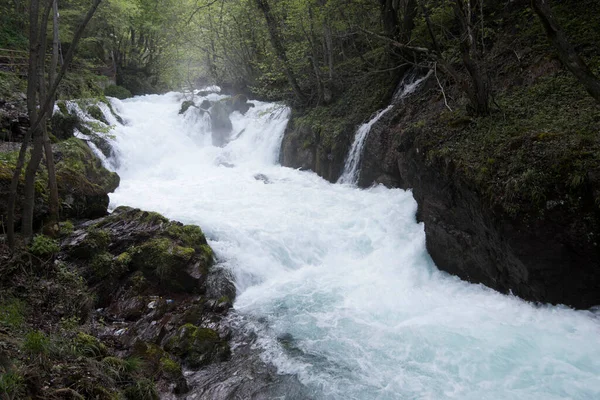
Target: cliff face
552, 259
510, 200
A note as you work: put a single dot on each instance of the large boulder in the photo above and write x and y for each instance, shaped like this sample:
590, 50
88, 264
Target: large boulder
171, 256
220, 123
83, 182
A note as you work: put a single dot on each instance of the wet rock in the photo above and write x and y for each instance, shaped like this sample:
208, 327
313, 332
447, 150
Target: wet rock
205, 105
239, 103
220, 124
185, 105
262, 177
197, 346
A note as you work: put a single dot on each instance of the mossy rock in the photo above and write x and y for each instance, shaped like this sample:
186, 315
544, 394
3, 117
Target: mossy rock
198, 346
83, 182
185, 105
160, 364
89, 243
164, 261
63, 123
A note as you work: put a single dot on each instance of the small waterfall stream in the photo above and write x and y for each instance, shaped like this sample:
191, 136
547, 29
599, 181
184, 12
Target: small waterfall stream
335, 281
352, 164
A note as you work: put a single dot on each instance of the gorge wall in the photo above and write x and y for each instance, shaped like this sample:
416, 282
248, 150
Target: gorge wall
511, 201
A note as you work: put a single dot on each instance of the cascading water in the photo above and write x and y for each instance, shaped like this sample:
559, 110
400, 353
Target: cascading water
352, 164
350, 173
336, 281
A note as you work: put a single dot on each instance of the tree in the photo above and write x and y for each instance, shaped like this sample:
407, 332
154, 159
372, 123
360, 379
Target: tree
566, 52
40, 102
277, 44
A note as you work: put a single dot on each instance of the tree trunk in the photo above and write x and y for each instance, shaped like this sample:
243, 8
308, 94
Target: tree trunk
389, 17
36, 153
479, 91
566, 52
45, 103
408, 21
277, 44
52, 184
34, 10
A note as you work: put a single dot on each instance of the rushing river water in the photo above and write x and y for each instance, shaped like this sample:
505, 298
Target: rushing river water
336, 281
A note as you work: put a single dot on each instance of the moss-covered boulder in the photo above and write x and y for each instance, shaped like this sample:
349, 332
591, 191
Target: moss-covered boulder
185, 105
167, 255
83, 182
198, 346
160, 365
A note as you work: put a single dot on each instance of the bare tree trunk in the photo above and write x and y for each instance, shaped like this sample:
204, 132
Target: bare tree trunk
566, 52
34, 11
408, 21
45, 104
277, 44
478, 93
389, 17
36, 153
52, 183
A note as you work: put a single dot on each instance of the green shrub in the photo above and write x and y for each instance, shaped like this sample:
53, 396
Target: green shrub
144, 389
12, 313
43, 246
36, 342
12, 386
117, 91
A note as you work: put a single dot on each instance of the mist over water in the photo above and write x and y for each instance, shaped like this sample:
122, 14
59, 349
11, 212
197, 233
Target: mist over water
336, 281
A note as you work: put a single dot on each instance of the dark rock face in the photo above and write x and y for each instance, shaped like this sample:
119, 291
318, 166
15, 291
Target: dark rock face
301, 148
220, 123
14, 121
205, 105
542, 260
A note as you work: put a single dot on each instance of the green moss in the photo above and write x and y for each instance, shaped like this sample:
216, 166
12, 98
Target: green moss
197, 346
190, 235
95, 242
66, 228
185, 105
170, 367
161, 259
104, 266
96, 113
117, 91
124, 258
184, 253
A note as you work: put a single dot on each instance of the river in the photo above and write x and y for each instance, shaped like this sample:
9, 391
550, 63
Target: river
336, 281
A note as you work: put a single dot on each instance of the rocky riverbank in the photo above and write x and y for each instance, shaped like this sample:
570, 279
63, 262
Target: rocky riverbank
121, 305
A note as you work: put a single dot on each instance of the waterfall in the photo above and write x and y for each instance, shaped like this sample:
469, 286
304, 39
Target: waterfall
350, 173
351, 167
336, 282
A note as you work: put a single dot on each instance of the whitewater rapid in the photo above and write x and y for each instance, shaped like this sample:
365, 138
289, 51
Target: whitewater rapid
336, 281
